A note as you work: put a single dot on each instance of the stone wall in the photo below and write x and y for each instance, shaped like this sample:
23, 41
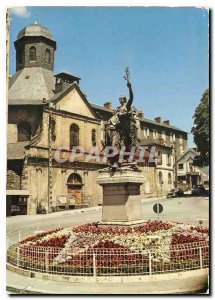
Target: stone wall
62, 131
166, 186
148, 187
12, 135
18, 114
13, 180
41, 45
37, 179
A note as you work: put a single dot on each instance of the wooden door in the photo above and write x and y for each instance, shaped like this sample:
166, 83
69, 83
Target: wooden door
75, 191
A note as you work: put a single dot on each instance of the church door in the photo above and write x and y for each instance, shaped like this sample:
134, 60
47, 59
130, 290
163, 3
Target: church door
74, 188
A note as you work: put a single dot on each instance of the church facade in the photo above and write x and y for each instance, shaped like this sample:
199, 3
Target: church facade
47, 112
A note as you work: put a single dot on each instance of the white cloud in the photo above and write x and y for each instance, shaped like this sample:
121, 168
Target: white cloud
21, 11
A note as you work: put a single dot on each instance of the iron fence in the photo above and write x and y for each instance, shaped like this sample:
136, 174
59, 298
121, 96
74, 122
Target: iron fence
109, 262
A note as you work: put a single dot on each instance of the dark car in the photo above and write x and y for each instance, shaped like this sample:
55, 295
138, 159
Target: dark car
177, 192
15, 208
199, 190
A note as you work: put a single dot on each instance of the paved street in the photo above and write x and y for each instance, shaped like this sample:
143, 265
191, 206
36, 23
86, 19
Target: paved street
31, 223
188, 209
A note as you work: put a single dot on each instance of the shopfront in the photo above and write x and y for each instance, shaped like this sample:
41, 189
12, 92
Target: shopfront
16, 202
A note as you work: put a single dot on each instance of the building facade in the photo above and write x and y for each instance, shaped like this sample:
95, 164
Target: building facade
48, 112
188, 174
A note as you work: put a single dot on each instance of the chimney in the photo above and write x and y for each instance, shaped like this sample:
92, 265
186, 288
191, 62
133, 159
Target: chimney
167, 122
108, 105
60, 85
140, 114
158, 120
63, 80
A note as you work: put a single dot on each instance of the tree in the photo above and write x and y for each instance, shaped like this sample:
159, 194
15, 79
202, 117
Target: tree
200, 130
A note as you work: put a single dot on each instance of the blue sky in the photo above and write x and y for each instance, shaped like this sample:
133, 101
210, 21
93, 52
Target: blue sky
166, 50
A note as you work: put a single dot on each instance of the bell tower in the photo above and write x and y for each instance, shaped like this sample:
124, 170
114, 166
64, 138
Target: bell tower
35, 47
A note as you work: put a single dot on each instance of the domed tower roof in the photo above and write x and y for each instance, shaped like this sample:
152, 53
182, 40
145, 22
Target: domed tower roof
35, 29
34, 79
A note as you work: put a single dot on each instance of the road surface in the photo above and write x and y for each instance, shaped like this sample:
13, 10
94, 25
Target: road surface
189, 209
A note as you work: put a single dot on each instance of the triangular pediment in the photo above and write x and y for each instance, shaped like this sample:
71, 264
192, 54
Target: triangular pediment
188, 156
74, 101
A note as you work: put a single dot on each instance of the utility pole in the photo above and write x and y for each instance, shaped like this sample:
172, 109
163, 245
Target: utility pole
175, 166
49, 161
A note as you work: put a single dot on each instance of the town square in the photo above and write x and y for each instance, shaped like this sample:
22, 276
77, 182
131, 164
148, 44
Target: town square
107, 150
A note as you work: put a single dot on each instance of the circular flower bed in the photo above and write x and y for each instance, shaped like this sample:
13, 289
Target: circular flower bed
154, 246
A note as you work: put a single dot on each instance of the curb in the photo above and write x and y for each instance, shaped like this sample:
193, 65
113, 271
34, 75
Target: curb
81, 210
61, 213
107, 279
146, 200
16, 290
187, 282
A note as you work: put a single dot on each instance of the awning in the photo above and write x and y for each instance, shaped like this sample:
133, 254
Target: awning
17, 193
193, 173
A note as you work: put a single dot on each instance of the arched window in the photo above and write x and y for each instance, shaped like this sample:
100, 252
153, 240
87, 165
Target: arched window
169, 159
169, 178
32, 54
74, 135
24, 131
160, 178
159, 158
47, 56
93, 137
74, 178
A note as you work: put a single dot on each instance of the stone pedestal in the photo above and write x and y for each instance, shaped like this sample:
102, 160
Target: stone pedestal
121, 196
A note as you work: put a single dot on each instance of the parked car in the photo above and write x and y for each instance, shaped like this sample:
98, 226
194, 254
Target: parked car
15, 208
177, 192
199, 190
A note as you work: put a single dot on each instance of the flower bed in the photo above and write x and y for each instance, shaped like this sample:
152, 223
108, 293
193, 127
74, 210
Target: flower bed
155, 246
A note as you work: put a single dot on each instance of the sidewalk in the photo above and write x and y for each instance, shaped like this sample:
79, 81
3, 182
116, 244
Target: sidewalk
19, 284
75, 211
55, 214
175, 283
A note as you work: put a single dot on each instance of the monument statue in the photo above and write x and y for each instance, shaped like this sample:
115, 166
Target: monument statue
121, 180
121, 129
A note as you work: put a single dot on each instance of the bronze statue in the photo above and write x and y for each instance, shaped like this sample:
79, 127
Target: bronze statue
121, 128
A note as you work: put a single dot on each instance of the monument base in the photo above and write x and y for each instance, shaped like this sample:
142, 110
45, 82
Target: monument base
121, 197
